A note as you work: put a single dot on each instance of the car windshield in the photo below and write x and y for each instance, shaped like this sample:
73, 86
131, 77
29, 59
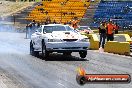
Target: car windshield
50, 29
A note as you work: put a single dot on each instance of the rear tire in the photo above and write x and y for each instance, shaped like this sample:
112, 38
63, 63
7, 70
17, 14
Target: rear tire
32, 52
83, 54
45, 53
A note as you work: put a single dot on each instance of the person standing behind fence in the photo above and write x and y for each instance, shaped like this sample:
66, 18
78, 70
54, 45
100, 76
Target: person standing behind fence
102, 33
110, 31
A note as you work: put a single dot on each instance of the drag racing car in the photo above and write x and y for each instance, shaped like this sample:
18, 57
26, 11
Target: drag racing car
58, 38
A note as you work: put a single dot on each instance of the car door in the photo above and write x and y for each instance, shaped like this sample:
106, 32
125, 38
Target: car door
38, 38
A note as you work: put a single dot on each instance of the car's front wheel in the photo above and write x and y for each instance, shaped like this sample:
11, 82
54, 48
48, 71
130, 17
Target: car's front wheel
83, 54
32, 52
45, 53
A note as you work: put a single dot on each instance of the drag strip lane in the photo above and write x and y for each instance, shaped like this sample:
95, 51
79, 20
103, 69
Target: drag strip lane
59, 71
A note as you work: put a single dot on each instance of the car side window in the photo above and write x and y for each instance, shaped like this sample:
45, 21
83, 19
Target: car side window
48, 29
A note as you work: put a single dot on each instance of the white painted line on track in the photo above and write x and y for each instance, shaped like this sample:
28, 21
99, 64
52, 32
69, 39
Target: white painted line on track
2, 85
61, 84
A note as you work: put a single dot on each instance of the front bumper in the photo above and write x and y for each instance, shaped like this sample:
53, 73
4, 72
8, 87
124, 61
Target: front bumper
67, 46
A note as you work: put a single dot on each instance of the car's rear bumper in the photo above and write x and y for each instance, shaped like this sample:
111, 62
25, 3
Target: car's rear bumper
67, 46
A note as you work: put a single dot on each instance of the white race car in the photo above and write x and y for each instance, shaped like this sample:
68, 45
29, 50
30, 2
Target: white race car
58, 38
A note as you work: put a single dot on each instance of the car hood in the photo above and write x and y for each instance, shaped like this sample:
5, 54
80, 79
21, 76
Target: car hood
65, 35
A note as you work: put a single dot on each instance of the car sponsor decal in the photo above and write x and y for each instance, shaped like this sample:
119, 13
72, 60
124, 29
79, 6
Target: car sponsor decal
69, 36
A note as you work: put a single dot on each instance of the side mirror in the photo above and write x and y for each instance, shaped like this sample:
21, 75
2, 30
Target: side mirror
37, 32
44, 32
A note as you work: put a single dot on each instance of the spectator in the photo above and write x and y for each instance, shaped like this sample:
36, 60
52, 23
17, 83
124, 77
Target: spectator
48, 21
54, 22
102, 33
110, 31
126, 9
27, 31
34, 26
38, 25
33, 23
75, 24
69, 23
45, 23
65, 23
30, 30
116, 27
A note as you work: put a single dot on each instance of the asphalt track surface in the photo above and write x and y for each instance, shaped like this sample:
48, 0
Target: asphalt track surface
18, 69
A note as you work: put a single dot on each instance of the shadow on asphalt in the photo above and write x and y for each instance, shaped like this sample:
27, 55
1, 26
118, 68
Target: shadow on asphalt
60, 57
